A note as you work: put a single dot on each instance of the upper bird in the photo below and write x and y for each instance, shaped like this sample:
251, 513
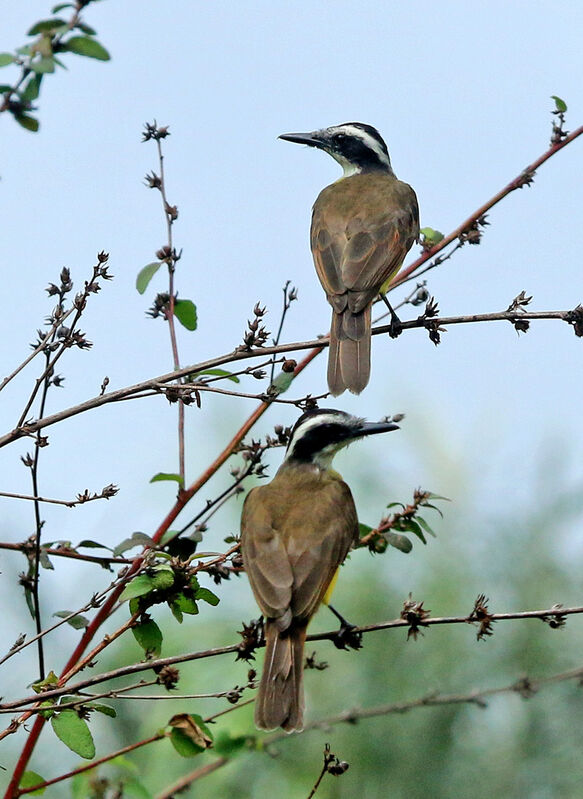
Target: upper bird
363, 225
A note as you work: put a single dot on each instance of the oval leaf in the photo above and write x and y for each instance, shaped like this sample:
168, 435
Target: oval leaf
85, 46
29, 123
146, 274
30, 778
43, 65
46, 25
74, 732
400, 542
5, 59
560, 105
149, 637
139, 586
217, 373
78, 621
189, 735
207, 596
161, 476
185, 312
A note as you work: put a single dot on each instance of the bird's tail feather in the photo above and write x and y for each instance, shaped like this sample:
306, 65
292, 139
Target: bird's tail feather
349, 356
280, 699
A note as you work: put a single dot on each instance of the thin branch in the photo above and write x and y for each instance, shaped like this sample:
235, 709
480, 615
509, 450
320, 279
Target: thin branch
525, 687
518, 182
38, 349
62, 552
315, 345
188, 779
157, 663
94, 763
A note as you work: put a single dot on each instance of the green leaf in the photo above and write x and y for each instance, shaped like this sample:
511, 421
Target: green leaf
135, 540
32, 89
227, 745
47, 25
161, 476
86, 46
139, 586
5, 87
30, 778
183, 604
363, 529
74, 732
412, 526
190, 736
88, 543
400, 542
163, 577
60, 7
43, 65
176, 612
425, 526
78, 621
5, 59
431, 236
560, 105
50, 681
86, 29
29, 123
149, 637
185, 312
107, 710
207, 596
146, 274
281, 383
217, 373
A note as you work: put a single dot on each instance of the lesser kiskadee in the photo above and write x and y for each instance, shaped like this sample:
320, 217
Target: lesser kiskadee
363, 225
295, 533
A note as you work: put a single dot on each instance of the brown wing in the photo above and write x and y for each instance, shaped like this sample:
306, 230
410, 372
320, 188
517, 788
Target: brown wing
362, 228
264, 556
322, 548
291, 550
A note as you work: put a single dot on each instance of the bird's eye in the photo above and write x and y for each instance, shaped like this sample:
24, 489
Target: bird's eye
340, 136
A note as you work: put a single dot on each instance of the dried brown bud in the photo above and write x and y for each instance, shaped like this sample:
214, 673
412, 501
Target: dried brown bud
289, 365
483, 617
414, 614
168, 676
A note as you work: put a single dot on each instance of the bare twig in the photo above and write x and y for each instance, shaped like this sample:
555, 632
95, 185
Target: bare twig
315, 345
157, 663
517, 183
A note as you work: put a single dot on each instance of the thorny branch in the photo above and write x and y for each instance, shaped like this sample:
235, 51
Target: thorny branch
547, 615
465, 230
168, 255
573, 317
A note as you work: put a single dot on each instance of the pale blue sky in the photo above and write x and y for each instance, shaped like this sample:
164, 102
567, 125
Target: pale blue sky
461, 94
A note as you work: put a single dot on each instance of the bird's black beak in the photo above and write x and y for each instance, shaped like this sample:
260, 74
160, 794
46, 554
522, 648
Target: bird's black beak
311, 139
370, 428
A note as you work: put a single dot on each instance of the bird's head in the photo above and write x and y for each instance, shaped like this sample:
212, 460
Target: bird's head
357, 147
320, 433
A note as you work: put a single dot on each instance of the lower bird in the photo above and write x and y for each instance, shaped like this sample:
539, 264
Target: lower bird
295, 533
363, 226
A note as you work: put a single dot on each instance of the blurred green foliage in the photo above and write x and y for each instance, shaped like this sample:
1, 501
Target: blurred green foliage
514, 747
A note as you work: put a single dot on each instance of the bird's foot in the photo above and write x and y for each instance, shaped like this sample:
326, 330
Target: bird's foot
348, 636
395, 325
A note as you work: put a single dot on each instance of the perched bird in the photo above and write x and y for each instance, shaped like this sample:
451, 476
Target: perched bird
363, 225
295, 533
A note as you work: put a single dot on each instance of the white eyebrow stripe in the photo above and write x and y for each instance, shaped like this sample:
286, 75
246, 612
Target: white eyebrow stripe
309, 424
370, 141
